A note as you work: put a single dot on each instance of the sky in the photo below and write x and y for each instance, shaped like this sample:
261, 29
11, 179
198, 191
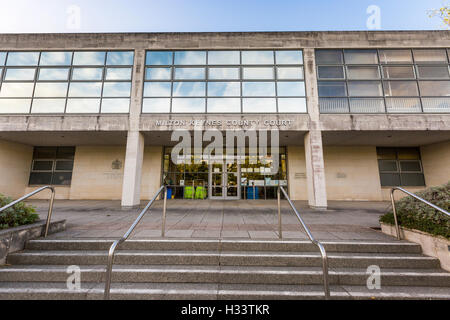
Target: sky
59, 16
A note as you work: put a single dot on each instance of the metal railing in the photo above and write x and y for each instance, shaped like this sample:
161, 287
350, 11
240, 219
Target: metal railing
50, 206
323, 253
397, 229
116, 243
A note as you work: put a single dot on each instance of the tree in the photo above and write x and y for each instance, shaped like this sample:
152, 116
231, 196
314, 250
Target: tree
443, 13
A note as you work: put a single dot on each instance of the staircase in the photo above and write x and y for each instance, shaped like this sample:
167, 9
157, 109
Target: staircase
221, 269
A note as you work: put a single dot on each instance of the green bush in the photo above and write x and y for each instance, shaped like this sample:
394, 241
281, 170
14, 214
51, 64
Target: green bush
17, 215
414, 214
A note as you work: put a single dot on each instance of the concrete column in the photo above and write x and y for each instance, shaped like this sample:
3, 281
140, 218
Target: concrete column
131, 189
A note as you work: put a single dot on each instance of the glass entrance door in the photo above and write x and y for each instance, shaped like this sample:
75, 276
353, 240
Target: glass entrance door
224, 178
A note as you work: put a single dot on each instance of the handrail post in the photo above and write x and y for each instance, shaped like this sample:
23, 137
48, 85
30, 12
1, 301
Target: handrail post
254, 195
50, 211
397, 228
163, 222
280, 235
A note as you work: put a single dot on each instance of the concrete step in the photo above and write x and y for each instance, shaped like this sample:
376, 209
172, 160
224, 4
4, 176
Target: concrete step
193, 291
226, 274
234, 258
225, 245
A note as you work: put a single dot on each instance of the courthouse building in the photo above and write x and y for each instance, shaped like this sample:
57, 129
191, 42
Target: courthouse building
93, 114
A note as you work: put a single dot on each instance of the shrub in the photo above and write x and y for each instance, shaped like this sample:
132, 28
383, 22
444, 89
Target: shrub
17, 215
414, 214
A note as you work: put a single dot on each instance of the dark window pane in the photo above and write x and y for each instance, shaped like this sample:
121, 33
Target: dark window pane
408, 153
44, 153
42, 165
433, 72
398, 72
63, 165
329, 57
62, 178
40, 178
332, 89
327, 72
65, 153
390, 179
410, 166
361, 56
412, 179
387, 165
387, 153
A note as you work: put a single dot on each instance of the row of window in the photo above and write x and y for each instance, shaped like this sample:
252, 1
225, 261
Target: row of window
43, 74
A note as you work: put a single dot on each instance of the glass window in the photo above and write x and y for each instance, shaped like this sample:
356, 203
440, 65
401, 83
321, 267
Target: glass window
430, 55
1, 73
289, 57
55, 74
259, 105
156, 105
223, 89
15, 105
87, 73
2, 58
332, 89
257, 57
403, 105
120, 58
362, 73
17, 74
50, 90
224, 105
329, 57
44, 153
223, 57
189, 73
223, 73
42, 165
366, 105
334, 105
89, 58
158, 73
433, 72
83, 105
115, 105
157, 89
85, 89
400, 88
433, 88
53, 170
188, 105
258, 73
291, 88
395, 56
328, 72
364, 88
258, 89
292, 105
56, 58
190, 57
404, 72
159, 58
116, 89
288, 73
48, 105
118, 74
440, 105
189, 89
22, 59
65, 153
17, 89
360, 56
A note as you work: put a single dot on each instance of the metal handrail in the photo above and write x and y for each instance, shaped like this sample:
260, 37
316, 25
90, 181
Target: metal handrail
50, 206
397, 229
116, 243
311, 238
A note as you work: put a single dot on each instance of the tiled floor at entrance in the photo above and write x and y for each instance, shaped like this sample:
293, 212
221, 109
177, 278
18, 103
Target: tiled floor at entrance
218, 219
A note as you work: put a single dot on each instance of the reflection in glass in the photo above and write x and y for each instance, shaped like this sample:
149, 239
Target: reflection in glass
115, 105
48, 105
157, 89
253, 89
441, 105
20, 74
287, 73
223, 57
87, 73
433, 72
259, 105
188, 89
2, 58
430, 55
50, 90
1, 73
158, 74
400, 88
22, 59
120, 58
257, 57
118, 73
83, 106
89, 58
116, 89
189, 73
331, 72
258, 73
85, 89
15, 105
292, 105
156, 105
395, 56
329, 57
16, 90
224, 105
358, 73
53, 74
360, 56
332, 89
403, 72
289, 57
291, 88
223, 73
188, 105
56, 59
190, 57
159, 58
433, 88
221, 89
403, 105
364, 88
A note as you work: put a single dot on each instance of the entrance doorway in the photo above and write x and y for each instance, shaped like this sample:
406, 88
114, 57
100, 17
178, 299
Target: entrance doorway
224, 180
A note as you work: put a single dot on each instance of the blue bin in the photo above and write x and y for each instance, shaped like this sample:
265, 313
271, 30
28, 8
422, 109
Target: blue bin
250, 194
169, 193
